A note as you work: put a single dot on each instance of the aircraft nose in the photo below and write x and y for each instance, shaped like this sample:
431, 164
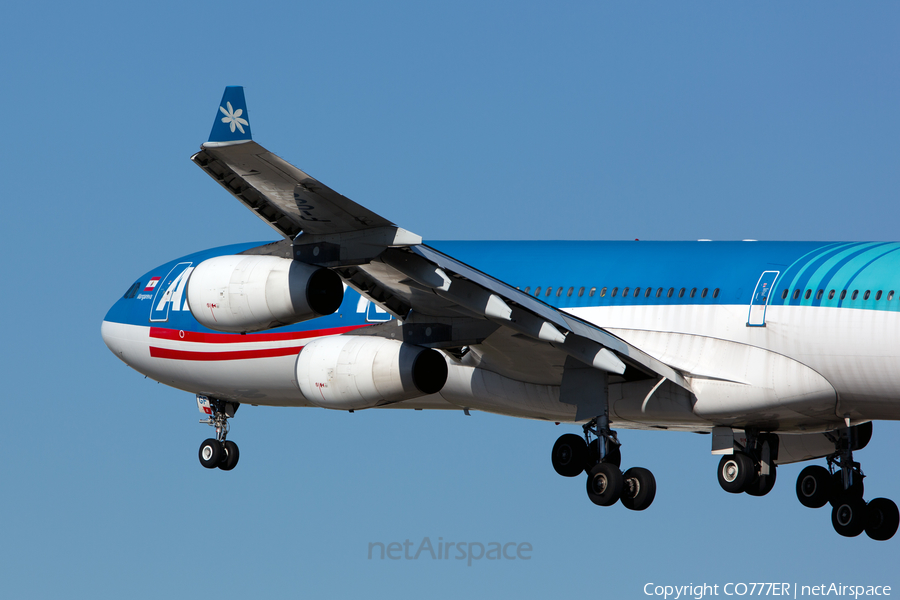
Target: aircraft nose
112, 338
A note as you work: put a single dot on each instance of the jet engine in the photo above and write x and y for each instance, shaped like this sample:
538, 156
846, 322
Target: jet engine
348, 372
240, 293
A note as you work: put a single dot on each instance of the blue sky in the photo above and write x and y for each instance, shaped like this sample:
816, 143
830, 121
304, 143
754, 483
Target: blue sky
476, 120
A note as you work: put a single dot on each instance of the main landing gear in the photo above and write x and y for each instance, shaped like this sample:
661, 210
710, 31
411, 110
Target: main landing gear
750, 468
218, 452
598, 454
841, 485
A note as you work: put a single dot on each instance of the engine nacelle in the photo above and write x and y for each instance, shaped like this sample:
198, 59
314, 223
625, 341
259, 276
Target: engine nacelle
348, 372
239, 293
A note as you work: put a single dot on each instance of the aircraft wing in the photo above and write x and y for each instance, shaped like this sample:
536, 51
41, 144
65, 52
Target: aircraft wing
438, 301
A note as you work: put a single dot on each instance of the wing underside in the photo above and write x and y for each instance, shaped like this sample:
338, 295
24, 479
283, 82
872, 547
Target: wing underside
438, 302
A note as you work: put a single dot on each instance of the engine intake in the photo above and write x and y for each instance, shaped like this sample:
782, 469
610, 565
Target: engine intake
351, 372
239, 293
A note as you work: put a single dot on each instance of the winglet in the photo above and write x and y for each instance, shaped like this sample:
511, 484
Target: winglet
232, 124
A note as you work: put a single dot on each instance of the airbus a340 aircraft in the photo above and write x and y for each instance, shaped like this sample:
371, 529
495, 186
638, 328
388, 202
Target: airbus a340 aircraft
783, 352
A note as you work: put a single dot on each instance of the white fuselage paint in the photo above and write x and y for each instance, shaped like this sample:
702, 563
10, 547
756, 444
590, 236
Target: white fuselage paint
806, 369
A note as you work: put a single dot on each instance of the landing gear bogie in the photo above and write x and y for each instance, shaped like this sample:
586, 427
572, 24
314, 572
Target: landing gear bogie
606, 484
842, 486
218, 451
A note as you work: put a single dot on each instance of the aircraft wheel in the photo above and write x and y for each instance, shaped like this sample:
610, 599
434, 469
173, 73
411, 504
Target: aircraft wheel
882, 519
736, 472
639, 488
569, 455
849, 516
838, 492
763, 484
604, 484
814, 486
230, 456
211, 453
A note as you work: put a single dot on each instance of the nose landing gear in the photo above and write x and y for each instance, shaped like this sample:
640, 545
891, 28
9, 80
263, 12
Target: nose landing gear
217, 451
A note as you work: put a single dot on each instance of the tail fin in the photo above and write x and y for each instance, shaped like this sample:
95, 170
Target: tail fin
232, 124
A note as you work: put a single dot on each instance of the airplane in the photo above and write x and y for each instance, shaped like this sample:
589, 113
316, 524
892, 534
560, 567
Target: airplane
781, 351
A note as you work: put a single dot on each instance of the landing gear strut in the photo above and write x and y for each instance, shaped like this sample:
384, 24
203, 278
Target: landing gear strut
841, 484
598, 454
217, 451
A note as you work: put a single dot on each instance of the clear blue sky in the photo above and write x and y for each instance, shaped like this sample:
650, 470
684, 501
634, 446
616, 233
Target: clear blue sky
469, 120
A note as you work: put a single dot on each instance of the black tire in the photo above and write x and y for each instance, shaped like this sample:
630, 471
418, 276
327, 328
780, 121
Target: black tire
838, 492
230, 456
882, 519
736, 472
604, 484
613, 454
211, 453
639, 488
763, 484
849, 516
569, 455
815, 487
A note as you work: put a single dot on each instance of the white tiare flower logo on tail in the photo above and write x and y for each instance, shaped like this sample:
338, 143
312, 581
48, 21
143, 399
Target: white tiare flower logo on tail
233, 117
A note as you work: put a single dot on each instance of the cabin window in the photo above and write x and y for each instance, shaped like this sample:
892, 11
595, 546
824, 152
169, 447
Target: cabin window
537, 291
693, 292
528, 290
796, 294
878, 295
569, 293
559, 292
807, 295
602, 292
624, 292
637, 292
647, 293
866, 295
784, 294
704, 292
716, 293
659, 292
843, 294
549, 291
581, 293
681, 293
819, 294
855, 294
615, 291
891, 295
831, 295
671, 291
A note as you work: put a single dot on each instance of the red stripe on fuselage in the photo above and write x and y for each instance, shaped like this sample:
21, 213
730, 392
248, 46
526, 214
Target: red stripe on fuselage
178, 335
194, 337
212, 356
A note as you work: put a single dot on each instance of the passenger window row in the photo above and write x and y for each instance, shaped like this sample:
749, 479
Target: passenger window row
626, 292
831, 293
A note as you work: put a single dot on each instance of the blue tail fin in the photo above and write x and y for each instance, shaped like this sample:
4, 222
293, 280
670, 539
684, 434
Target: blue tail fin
232, 122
